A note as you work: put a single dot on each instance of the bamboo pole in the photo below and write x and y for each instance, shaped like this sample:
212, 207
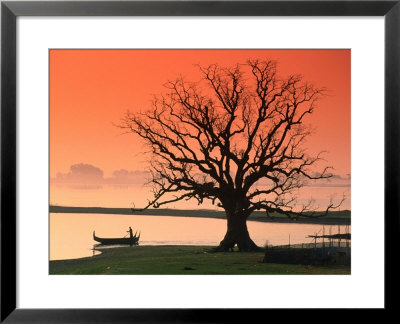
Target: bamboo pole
315, 241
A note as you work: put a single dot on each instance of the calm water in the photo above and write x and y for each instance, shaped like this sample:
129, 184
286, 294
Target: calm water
71, 234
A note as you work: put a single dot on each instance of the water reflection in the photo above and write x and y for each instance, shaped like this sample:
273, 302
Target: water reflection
71, 234
96, 249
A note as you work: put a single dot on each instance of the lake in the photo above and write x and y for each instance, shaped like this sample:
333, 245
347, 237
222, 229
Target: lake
71, 235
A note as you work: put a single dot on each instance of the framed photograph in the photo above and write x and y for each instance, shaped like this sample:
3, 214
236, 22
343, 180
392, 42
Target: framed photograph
162, 159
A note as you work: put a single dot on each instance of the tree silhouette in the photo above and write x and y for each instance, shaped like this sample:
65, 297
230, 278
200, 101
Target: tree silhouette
235, 138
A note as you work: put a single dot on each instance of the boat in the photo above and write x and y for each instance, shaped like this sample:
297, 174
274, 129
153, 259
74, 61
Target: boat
344, 236
134, 240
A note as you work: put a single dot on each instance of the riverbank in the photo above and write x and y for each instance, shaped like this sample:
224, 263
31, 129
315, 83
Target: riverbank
333, 218
181, 260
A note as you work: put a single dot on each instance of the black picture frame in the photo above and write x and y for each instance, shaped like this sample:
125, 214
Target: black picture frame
10, 10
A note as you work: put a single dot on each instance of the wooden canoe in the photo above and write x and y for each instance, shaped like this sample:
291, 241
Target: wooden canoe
124, 240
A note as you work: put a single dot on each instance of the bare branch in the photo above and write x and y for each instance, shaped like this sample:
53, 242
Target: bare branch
216, 138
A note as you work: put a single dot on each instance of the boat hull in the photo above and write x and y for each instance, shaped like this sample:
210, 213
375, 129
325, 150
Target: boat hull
108, 241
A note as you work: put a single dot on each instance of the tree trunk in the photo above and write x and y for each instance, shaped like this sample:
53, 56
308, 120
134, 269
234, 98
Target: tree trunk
237, 234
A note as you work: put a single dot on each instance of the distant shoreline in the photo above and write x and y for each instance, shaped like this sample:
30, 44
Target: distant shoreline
333, 218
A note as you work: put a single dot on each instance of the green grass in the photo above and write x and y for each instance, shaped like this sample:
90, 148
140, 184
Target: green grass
181, 260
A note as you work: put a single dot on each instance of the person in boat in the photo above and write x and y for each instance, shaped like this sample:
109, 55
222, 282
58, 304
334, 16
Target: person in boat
130, 232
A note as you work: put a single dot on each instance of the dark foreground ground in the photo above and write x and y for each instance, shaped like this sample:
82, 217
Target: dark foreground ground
182, 260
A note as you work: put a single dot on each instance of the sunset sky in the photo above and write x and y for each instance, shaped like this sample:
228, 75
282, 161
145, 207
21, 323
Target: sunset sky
91, 90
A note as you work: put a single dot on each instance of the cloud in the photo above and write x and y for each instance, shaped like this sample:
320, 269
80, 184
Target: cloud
123, 176
336, 180
89, 176
339, 177
81, 173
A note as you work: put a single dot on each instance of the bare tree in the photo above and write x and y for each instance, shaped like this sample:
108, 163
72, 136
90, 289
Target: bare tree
235, 138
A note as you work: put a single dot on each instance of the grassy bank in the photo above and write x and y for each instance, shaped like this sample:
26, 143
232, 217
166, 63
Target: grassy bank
333, 218
181, 260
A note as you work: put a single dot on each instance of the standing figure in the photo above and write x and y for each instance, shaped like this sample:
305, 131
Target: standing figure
130, 232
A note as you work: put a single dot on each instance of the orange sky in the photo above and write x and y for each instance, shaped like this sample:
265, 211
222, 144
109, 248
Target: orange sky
90, 90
